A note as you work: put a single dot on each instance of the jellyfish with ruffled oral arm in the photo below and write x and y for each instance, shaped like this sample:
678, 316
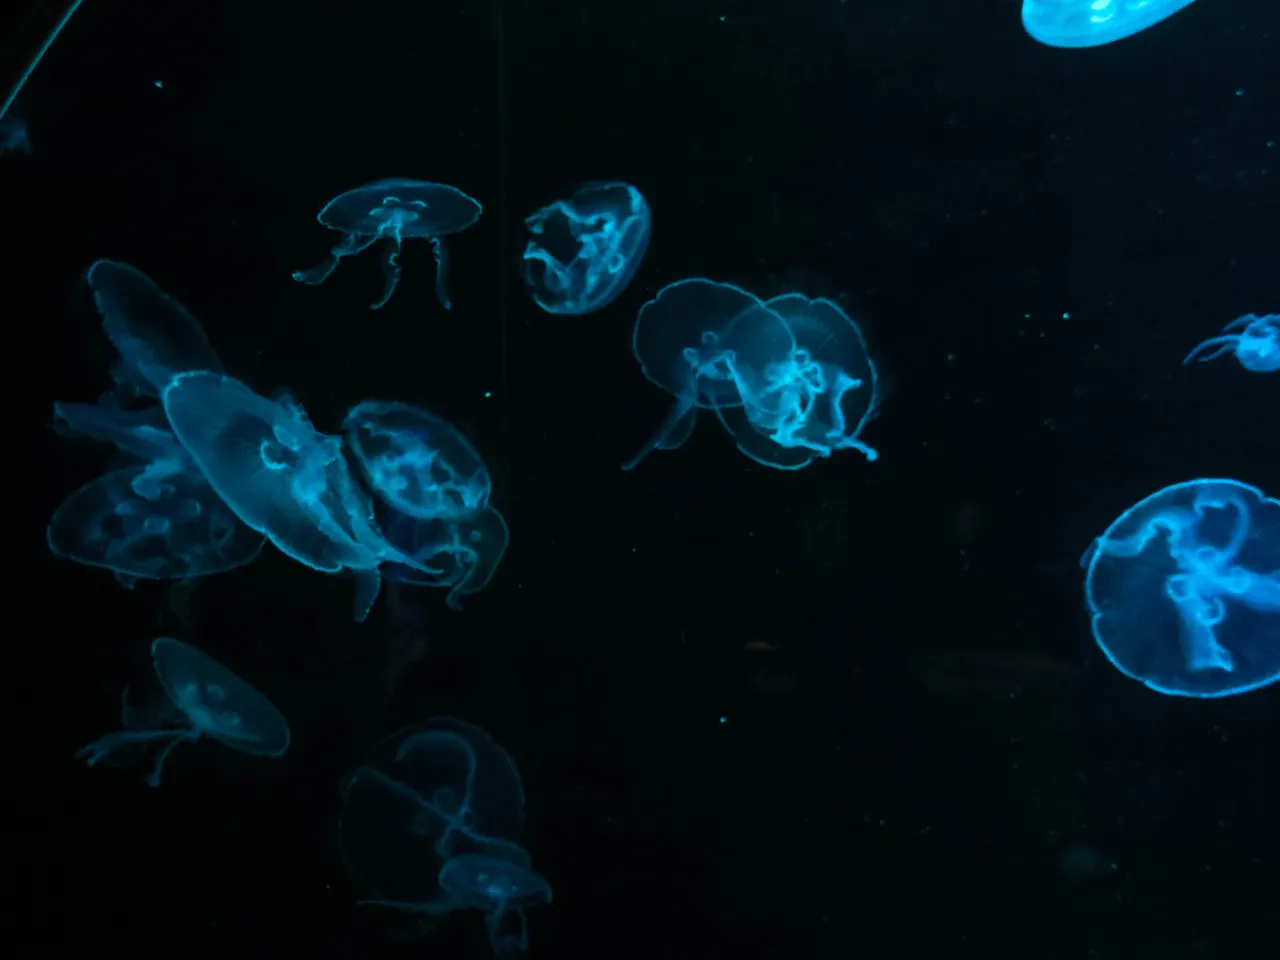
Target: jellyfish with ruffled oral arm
394, 210
1184, 589
1254, 340
202, 698
1091, 23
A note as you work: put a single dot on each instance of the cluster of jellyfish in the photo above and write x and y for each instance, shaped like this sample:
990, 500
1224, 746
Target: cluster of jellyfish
219, 469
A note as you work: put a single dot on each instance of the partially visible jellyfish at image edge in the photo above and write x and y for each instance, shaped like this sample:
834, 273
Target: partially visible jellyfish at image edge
1092, 23
1254, 340
1183, 589
202, 698
585, 249
392, 211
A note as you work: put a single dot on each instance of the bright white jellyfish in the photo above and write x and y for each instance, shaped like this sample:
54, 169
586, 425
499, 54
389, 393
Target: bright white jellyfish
1184, 589
1091, 23
202, 698
586, 249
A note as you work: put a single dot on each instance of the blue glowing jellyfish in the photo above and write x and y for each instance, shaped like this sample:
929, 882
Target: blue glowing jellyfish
1254, 340
423, 795
415, 461
815, 402
460, 553
280, 476
13, 132
497, 878
586, 249
155, 335
1091, 23
155, 522
394, 210
202, 698
1184, 589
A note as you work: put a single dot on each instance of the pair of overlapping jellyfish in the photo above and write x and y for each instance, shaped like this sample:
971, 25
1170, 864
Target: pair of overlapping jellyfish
224, 467
585, 249
198, 697
1183, 589
1091, 23
430, 824
789, 378
1254, 340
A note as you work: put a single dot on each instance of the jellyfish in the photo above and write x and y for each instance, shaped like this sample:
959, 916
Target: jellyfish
13, 132
1184, 589
598, 235
280, 476
1091, 23
155, 335
496, 877
143, 433
1254, 340
202, 698
421, 794
394, 210
460, 553
415, 461
158, 521
815, 402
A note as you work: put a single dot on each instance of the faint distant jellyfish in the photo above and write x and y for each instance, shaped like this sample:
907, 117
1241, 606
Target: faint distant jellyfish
204, 699
1184, 589
1091, 23
1254, 340
587, 248
496, 877
461, 554
394, 210
415, 461
155, 335
13, 133
154, 522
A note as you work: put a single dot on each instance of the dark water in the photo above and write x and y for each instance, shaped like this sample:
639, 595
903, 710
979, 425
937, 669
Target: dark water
854, 710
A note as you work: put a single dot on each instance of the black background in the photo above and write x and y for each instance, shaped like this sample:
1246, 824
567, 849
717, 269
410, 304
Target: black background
1032, 239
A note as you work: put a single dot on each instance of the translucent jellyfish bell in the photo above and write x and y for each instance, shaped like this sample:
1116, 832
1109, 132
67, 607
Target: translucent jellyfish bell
707, 344
496, 877
461, 554
1184, 589
415, 461
154, 334
586, 249
204, 699
394, 210
1254, 340
154, 522
1091, 23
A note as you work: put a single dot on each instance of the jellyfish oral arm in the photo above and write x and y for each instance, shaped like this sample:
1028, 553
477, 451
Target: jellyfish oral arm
673, 431
103, 747
348, 246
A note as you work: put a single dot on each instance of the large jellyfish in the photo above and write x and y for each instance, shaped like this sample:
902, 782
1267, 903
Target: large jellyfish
1184, 589
417, 462
202, 698
1091, 23
155, 335
280, 476
1254, 340
430, 823
156, 522
394, 210
587, 248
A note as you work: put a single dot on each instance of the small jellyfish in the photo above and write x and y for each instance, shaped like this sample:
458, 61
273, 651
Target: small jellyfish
415, 461
1091, 23
1254, 340
202, 698
1184, 589
394, 210
587, 248
155, 335
161, 521
496, 877
461, 553
13, 132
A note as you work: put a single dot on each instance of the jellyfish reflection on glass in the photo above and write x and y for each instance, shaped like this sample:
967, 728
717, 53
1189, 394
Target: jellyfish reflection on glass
1184, 589
394, 210
1091, 23
1254, 340
429, 824
202, 698
587, 248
